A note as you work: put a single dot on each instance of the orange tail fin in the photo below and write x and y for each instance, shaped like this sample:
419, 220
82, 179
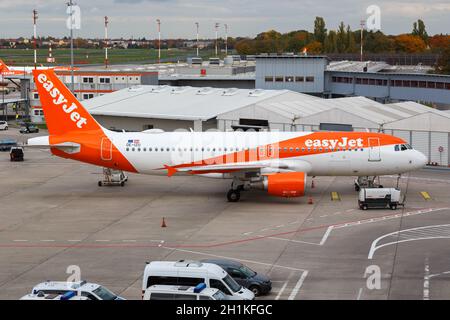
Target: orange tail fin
3, 66
63, 112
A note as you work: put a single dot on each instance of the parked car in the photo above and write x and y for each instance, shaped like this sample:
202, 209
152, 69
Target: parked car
168, 292
16, 154
259, 284
29, 129
190, 273
92, 291
3, 125
7, 144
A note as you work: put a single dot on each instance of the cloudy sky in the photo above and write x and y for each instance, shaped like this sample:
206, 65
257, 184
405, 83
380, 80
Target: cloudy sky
136, 18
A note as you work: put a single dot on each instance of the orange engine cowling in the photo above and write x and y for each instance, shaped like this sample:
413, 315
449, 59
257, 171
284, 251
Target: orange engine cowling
289, 184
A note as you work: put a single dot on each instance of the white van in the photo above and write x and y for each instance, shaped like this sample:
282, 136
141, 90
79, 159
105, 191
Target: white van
167, 292
191, 273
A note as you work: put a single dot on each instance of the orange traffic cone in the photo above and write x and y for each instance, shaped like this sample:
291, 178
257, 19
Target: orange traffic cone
310, 200
163, 224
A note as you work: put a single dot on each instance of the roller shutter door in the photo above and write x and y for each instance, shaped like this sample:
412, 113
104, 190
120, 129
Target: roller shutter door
439, 139
403, 134
421, 142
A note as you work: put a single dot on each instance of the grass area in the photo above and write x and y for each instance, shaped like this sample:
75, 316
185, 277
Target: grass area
19, 57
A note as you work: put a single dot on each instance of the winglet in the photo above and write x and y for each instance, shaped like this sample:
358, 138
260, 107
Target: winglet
170, 171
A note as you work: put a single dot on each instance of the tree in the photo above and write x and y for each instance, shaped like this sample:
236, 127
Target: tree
409, 43
320, 32
419, 30
350, 41
341, 38
330, 45
297, 40
439, 42
314, 47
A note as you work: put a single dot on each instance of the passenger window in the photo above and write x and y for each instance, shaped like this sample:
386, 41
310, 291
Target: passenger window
217, 284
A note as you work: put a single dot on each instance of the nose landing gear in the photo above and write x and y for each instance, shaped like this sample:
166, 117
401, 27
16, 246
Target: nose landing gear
367, 182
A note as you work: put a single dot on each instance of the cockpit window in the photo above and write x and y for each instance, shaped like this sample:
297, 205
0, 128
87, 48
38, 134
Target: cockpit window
409, 147
397, 147
404, 147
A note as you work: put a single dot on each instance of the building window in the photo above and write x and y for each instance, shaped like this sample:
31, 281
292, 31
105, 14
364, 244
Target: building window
448, 86
299, 79
406, 83
358, 81
279, 79
87, 96
431, 85
88, 80
422, 84
268, 79
105, 80
379, 82
398, 83
309, 79
38, 112
414, 84
372, 82
440, 85
289, 79
365, 81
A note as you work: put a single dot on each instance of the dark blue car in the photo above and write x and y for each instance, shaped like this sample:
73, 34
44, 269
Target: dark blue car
258, 283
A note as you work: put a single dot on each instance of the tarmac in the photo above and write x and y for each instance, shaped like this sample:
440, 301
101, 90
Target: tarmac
54, 215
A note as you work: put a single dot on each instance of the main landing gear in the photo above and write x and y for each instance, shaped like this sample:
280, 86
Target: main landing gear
234, 194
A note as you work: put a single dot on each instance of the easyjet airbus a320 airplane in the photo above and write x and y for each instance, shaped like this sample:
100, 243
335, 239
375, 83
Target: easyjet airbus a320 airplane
6, 70
278, 162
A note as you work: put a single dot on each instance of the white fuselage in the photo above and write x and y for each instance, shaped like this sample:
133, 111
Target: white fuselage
150, 152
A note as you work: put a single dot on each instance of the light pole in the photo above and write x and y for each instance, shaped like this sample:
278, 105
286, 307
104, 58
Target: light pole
70, 4
158, 21
35, 17
106, 41
226, 39
362, 38
197, 25
217, 39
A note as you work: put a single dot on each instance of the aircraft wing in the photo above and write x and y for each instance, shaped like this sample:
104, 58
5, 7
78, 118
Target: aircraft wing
289, 165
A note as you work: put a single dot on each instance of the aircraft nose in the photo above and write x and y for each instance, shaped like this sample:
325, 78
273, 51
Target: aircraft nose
421, 159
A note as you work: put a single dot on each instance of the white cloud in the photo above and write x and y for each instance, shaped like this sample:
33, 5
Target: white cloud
245, 17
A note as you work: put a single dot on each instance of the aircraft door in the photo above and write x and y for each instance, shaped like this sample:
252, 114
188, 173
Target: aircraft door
374, 149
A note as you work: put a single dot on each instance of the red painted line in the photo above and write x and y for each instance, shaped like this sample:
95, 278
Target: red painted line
194, 246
